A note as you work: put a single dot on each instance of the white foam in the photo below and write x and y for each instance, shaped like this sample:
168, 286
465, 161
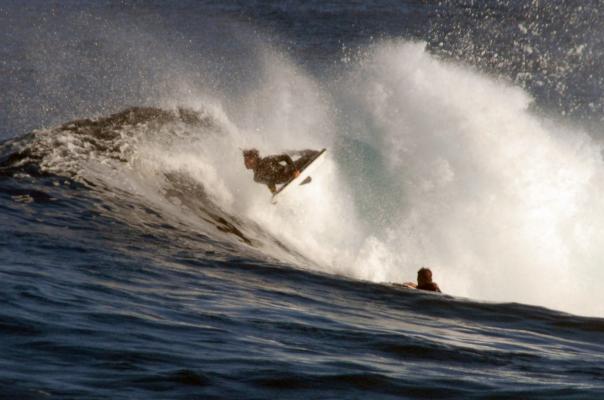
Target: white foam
504, 205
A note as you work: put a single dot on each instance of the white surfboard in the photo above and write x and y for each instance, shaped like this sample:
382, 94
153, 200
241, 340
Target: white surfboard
303, 179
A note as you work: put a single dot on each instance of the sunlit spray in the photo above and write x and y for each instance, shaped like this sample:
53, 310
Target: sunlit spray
503, 204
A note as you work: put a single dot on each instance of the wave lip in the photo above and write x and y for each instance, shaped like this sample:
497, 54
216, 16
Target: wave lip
59, 149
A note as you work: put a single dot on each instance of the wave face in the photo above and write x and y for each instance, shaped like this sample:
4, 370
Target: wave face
142, 259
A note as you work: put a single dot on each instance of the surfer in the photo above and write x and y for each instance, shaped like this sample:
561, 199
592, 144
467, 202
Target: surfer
276, 169
424, 281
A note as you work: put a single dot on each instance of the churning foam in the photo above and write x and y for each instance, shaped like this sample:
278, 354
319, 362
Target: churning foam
431, 163
505, 205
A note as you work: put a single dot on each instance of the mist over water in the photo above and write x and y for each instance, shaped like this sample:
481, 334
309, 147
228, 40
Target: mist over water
553, 49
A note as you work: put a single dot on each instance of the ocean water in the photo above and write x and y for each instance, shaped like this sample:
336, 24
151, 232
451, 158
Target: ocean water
141, 261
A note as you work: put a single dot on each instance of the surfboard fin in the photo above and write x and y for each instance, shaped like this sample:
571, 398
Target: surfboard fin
305, 181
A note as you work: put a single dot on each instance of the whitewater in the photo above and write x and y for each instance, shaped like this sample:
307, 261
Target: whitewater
431, 163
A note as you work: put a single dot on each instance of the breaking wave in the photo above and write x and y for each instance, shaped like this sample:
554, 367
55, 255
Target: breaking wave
430, 163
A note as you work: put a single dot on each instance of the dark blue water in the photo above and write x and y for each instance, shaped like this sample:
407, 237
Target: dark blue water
139, 260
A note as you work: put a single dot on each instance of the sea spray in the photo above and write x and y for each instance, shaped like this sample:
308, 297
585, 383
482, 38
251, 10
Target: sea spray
430, 163
502, 203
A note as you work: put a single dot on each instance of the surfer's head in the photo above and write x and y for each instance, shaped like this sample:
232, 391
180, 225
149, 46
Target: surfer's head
250, 157
424, 276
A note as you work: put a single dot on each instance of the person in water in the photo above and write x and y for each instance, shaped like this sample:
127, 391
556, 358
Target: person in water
424, 281
277, 169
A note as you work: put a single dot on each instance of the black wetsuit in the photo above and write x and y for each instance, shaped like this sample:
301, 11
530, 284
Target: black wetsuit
272, 170
433, 287
275, 170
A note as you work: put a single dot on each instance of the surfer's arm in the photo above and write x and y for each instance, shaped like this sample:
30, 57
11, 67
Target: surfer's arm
272, 187
410, 285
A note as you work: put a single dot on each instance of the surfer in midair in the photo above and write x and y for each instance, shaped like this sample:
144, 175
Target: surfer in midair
276, 169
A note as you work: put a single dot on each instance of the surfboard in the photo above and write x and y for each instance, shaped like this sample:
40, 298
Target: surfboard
303, 178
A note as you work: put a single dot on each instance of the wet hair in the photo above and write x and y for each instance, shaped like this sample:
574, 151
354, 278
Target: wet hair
251, 153
424, 274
